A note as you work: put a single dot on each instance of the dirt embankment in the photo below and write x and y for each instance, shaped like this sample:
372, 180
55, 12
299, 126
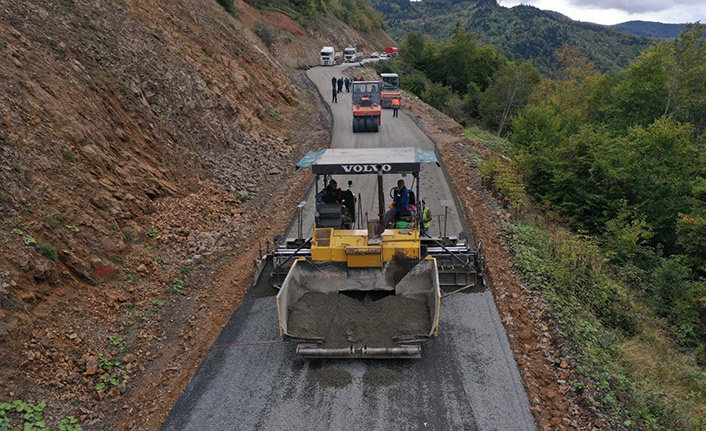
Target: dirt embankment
146, 149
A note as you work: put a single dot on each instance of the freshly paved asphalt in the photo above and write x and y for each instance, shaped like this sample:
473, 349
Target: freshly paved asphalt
466, 379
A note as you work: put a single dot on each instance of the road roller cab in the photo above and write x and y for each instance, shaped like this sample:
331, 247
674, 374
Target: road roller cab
390, 89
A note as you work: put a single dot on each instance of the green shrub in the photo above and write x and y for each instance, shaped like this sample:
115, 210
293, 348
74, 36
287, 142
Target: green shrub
68, 156
48, 251
415, 84
229, 6
503, 177
54, 220
266, 33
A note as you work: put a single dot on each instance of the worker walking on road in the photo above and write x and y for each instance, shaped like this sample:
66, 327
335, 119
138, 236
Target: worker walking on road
335, 96
395, 107
426, 220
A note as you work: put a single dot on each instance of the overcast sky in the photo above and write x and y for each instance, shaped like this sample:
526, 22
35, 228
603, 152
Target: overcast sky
617, 11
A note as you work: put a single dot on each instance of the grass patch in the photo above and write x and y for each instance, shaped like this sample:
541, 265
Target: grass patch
130, 276
185, 270
663, 373
116, 340
495, 143
634, 372
86, 24
27, 416
68, 5
175, 286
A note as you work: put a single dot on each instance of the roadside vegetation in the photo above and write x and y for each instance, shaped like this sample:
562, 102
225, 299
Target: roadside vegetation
605, 176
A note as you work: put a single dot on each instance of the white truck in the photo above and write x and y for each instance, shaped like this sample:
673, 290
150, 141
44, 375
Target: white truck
351, 55
329, 56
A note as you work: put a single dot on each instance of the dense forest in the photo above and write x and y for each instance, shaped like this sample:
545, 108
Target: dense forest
520, 33
651, 29
618, 158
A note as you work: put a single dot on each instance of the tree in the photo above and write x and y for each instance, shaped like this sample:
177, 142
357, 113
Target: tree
508, 93
640, 94
658, 164
686, 97
685, 48
411, 49
455, 58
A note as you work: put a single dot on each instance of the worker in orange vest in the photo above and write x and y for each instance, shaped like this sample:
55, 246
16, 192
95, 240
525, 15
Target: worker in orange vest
395, 106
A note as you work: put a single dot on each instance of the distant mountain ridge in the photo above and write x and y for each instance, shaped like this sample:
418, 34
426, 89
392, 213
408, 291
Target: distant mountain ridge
653, 29
520, 33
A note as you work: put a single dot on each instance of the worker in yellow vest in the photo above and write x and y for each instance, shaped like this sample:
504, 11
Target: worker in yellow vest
426, 219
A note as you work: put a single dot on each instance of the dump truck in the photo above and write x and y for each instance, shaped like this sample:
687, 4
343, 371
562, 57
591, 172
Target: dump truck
390, 89
367, 111
357, 288
328, 56
352, 55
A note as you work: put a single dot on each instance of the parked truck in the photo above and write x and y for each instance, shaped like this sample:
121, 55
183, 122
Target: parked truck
352, 55
330, 57
391, 51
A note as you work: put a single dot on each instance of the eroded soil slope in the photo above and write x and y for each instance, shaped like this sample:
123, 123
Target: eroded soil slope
146, 150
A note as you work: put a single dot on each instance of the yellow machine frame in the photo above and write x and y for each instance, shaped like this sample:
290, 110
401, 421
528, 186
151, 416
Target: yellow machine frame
356, 249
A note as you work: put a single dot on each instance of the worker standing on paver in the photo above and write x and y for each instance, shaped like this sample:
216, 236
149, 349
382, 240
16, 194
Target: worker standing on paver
426, 219
395, 107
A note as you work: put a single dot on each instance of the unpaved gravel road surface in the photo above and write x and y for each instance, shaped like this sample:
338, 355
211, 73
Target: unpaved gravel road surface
466, 379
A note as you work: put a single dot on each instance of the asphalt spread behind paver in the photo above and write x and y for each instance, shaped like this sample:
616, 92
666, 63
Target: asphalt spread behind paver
466, 378
344, 321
